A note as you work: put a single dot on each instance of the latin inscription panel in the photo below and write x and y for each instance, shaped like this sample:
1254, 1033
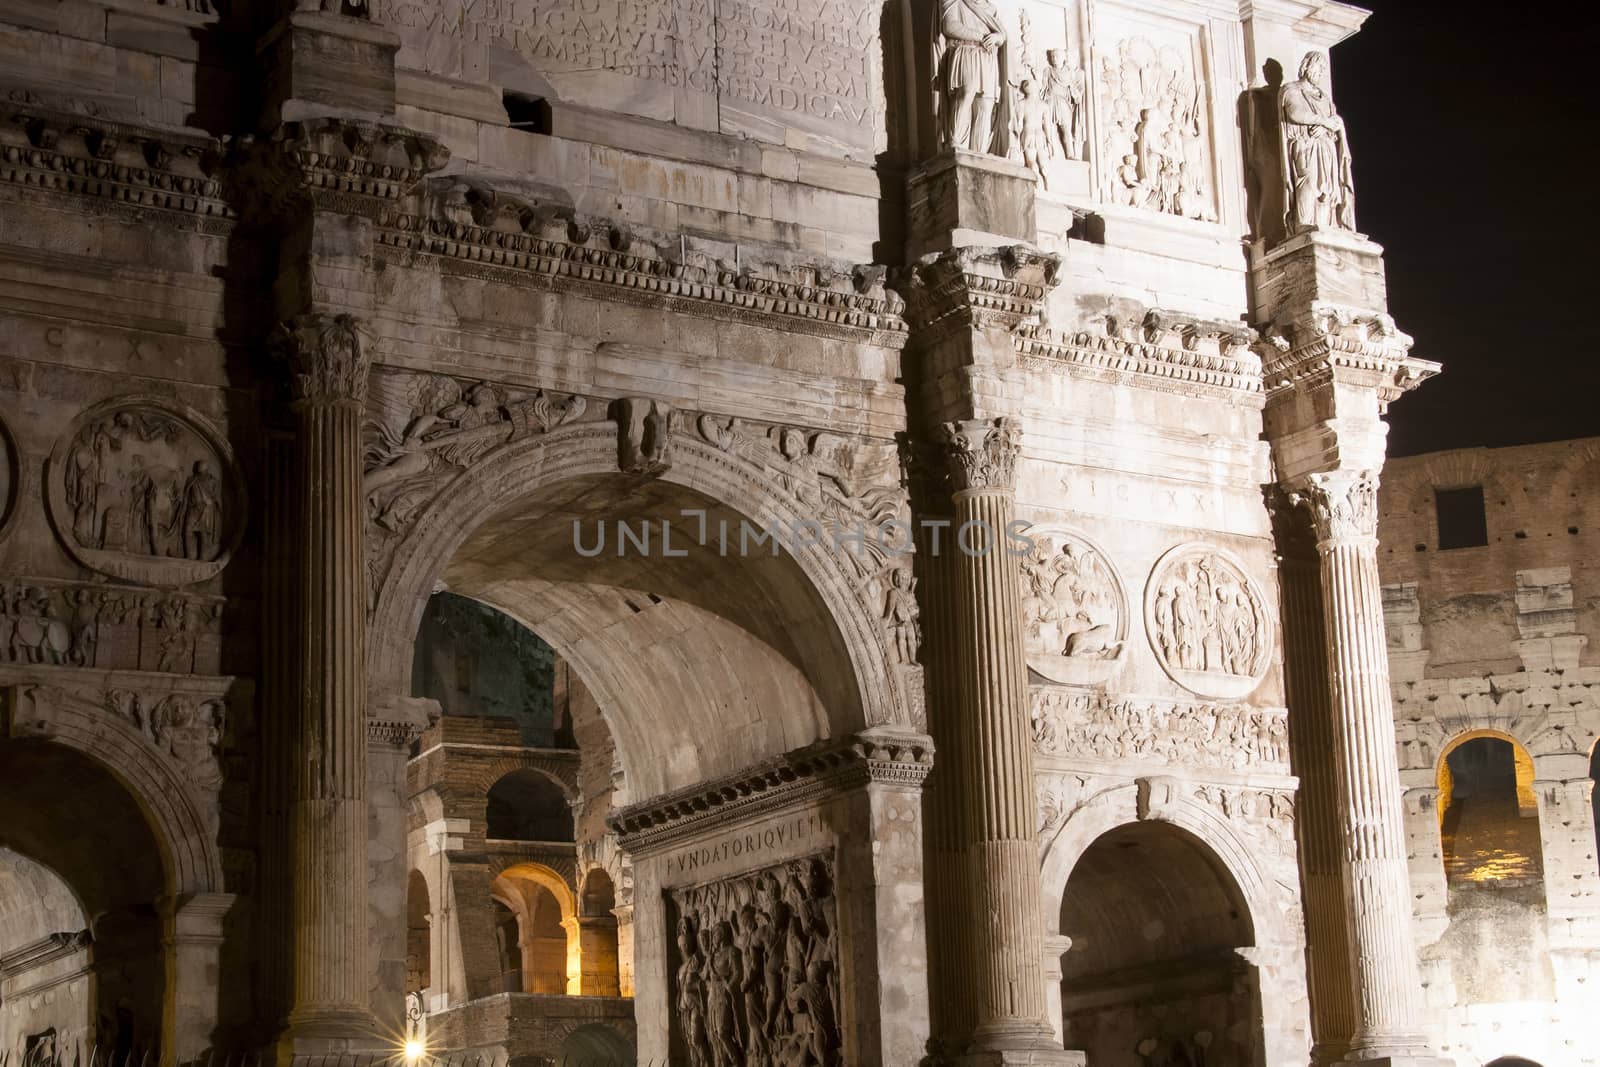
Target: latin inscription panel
760, 68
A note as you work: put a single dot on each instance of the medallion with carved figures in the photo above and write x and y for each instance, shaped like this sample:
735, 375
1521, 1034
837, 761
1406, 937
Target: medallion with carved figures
1074, 607
147, 491
1208, 621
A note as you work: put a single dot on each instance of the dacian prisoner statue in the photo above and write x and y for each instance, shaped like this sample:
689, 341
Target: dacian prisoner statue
969, 57
1317, 154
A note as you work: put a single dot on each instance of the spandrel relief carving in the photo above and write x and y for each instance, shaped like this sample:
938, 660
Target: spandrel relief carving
1208, 622
146, 493
1155, 138
755, 978
1074, 610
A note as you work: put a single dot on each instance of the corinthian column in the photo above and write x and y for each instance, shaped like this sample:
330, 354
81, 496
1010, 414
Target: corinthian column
994, 762
327, 801
1318, 825
1377, 886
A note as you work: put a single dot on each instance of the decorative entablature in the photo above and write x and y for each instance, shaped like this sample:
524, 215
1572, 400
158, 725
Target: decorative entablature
977, 288
131, 169
490, 235
1167, 351
1342, 346
808, 774
333, 164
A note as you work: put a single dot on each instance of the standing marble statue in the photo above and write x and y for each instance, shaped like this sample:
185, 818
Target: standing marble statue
969, 61
1321, 192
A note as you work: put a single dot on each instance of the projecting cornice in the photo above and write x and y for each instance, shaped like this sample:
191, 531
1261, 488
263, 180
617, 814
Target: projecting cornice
1342, 346
1165, 351
977, 287
806, 774
500, 238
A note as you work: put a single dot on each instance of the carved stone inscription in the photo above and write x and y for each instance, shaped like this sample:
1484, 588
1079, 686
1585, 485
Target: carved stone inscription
1208, 622
144, 493
752, 67
755, 975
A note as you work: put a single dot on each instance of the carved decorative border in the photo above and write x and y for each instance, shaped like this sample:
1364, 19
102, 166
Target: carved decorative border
809, 773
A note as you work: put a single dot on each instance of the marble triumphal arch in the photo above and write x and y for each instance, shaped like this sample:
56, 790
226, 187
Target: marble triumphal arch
776, 532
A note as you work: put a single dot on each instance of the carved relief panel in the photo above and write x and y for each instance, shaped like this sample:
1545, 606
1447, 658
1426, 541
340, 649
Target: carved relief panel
144, 491
755, 974
1153, 111
1074, 608
1208, 622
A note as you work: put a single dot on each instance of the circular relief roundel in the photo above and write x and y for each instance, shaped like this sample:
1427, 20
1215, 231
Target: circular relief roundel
146, 491
1208, 621
1074, 609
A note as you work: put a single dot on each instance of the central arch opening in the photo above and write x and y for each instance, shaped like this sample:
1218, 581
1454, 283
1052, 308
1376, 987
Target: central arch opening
1153, 975
677, 653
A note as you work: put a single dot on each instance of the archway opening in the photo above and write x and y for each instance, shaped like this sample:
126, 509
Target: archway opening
82, 960
596, 1045
1153, 972
543, 929
419, 934
1511, 1061
1497, 939
597, 932
699, 659
725, 636
527, 806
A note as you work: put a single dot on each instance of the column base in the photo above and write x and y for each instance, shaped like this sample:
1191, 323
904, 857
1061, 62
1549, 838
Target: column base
1017, 1044
335, 1033
1423, 1060
1022, 1057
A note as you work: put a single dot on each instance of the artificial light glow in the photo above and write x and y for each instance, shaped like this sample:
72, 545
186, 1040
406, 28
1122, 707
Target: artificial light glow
414, 1049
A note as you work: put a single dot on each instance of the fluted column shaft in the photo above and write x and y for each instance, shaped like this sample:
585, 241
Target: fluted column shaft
1311, 730
949, 911
280, 688
996, 754
328, 788
1377, 887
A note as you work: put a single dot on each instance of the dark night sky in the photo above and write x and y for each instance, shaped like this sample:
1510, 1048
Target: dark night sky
1474, 131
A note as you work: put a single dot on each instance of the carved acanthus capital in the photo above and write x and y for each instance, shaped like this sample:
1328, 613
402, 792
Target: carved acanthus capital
978, 287
1343, 506
983, 453
328, 358
1292, 529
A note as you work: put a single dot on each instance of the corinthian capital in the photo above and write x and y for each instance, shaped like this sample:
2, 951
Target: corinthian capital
1344, 505
983, 453
328, 358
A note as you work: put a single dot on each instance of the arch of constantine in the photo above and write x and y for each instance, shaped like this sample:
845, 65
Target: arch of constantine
773, 532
